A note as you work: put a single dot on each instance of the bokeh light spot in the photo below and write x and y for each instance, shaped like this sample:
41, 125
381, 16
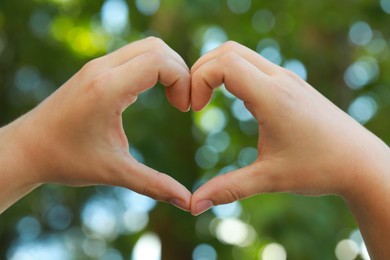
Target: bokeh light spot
137, 154
135, 221
239, 6
27, 79
147, 7
28, 228
148, 247
47, 248
212, 120
364, 252
234, 232
111, 254
115, 16
99, 216
247, 156
239, 111
357, 237
230, 210
267, 42
273, 251
272, 54
213, 37
225, 92
269, 48
346, 250
228, 168
59, 217
363, 108
83, 41
297, 67
361, 73
135, 201
219, 141
204, 252
60, 27
377, 46
385, 4
206, 157
40, 22
263, 21
360, 33
94, 247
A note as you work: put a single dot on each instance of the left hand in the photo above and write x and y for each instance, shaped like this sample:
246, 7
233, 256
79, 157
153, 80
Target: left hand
75, 137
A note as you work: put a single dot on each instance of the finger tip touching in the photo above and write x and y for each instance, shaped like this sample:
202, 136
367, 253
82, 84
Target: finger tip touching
181, 198
179, 95
184, 205
185, 108
201, 201
198, 103
196, 107
201, 206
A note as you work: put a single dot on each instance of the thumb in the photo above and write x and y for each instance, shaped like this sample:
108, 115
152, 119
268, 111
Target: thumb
236, 185
159, 186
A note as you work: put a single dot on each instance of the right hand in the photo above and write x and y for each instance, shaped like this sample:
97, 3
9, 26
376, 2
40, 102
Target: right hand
306, 144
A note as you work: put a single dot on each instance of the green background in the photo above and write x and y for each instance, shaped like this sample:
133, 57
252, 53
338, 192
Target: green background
343, 46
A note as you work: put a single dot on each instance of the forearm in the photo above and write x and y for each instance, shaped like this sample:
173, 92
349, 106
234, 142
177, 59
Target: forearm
16, 178
370, 202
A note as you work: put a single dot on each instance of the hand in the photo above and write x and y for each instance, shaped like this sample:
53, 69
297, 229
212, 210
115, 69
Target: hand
75, 136
306, 144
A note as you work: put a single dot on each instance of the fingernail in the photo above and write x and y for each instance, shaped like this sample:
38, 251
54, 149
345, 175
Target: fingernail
179, 204
202, 206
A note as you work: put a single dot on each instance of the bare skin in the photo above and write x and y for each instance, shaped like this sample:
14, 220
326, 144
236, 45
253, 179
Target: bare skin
306, 144
75, 137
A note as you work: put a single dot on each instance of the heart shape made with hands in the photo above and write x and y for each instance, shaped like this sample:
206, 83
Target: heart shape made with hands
295, 121
242, 71
217, 186
268, 91
221, 66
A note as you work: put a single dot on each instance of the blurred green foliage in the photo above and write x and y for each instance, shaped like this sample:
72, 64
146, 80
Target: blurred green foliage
343, 46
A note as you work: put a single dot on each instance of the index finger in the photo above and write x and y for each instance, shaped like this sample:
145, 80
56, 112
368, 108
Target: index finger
253, 57
240, 77
134, 49
122, 84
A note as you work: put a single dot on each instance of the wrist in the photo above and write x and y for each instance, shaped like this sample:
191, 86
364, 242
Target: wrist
369, 198
18, 175
371, 173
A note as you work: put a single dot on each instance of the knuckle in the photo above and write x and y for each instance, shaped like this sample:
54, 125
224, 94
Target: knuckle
147, 190
151, 187
233, 192
157, 56
100, 81
291, 75
91, 66
228, 57
229, 46
156, 42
